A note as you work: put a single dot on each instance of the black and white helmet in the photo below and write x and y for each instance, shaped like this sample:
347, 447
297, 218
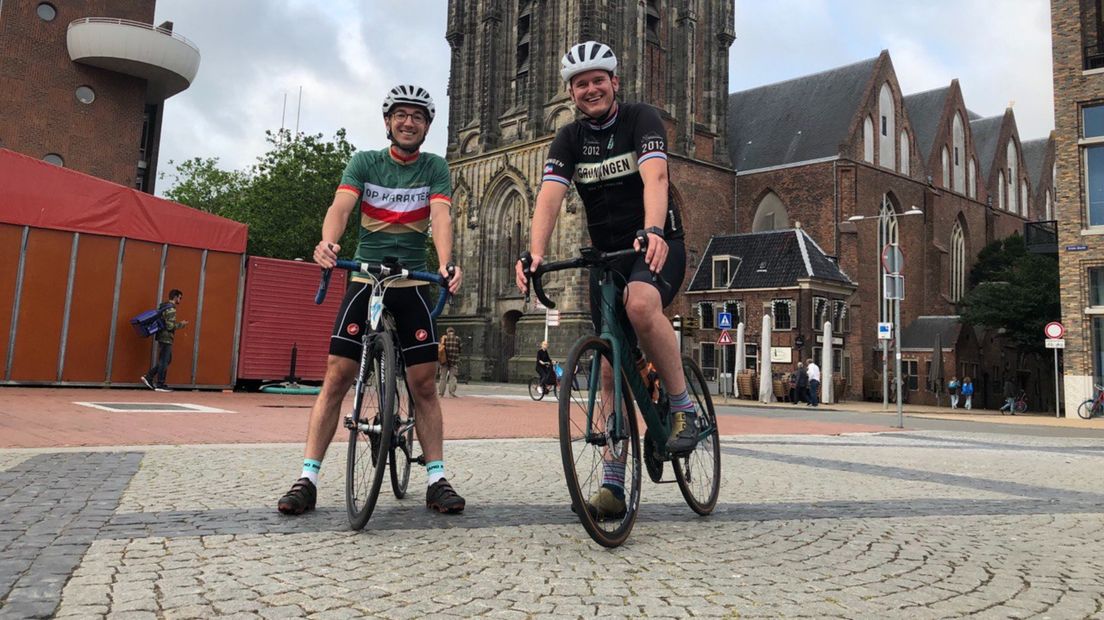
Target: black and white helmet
411, 95
587, 56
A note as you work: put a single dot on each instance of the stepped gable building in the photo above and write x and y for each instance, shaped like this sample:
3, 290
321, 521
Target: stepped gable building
506, 101
854, 163
1077, 35
83, 84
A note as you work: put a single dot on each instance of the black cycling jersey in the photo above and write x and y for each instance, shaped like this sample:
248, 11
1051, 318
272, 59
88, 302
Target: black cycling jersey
603, 160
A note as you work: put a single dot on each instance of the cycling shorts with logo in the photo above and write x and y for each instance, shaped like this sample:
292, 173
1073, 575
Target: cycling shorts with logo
635, 269
411, 309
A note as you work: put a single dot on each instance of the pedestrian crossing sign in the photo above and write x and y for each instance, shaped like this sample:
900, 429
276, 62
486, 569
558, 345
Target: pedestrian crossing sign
724, 320
725, 337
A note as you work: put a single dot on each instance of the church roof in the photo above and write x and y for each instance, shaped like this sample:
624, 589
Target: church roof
985, 132
802, 119
769, 259
1034, 154
925, 110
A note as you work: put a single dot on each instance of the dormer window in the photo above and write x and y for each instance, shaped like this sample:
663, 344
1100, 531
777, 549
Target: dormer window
724, 269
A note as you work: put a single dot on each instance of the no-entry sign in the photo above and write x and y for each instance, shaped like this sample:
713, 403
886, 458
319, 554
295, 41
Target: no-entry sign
1054, 329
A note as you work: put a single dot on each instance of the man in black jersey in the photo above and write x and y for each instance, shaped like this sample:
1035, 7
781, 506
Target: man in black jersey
616, 155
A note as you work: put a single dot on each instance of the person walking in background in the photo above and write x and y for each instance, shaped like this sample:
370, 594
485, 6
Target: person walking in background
155, 377
452, 363
803, 383
1009, 396
968, 392
952, 389
814, 382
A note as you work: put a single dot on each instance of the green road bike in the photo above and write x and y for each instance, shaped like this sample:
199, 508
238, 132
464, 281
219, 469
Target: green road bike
599, 423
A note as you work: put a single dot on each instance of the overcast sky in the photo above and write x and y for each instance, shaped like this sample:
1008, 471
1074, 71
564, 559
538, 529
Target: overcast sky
345, 54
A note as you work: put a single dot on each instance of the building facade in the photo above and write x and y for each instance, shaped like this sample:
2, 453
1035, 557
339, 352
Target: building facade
506, 101
1077, 31
83, 84
850, 160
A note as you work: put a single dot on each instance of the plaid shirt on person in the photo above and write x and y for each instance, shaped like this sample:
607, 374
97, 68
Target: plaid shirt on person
452, 349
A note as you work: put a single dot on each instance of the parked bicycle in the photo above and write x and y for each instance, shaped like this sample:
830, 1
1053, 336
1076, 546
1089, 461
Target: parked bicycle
594, 429
381, 424
1019, 405
1092, 407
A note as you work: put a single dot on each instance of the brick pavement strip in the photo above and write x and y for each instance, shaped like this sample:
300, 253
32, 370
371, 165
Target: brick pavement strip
924, 524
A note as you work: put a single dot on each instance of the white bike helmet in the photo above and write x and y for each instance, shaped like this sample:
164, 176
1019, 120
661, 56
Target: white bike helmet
587, 56
411, 95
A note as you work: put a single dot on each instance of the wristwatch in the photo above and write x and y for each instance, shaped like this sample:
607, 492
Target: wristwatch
655, 230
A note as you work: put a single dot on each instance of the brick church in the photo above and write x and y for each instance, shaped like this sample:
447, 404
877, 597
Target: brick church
788, 190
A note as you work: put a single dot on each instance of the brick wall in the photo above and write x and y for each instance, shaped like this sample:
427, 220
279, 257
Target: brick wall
38, 106
1073, 87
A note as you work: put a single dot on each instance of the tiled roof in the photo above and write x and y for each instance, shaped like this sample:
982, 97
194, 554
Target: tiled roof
922, 332
925, 109
985, 132
802, 119
768, 259
1034, 153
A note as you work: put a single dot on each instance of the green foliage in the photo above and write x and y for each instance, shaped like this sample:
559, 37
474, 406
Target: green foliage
1015, 290
283, 197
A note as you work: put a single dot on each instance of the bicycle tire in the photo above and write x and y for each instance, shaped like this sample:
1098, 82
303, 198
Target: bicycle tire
699, 473
402, 452
375, 394
535, 391
1020, 406
1085, 409
579, 453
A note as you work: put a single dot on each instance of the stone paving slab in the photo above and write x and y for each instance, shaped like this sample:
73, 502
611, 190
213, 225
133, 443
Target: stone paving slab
925, 525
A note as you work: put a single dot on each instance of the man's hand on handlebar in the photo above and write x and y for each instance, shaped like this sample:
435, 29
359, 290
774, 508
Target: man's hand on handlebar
454, 278
521, 275
325, 254
656, 252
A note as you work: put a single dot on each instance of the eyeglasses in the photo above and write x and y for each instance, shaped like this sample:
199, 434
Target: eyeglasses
417, 117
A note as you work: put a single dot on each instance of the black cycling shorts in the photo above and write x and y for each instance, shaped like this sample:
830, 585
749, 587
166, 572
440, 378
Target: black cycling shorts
634, 269
409, 306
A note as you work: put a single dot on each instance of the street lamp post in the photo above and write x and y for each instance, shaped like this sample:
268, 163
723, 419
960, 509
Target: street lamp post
899, 296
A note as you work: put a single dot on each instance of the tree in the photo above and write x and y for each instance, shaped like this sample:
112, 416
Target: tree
283, 197
1013, 290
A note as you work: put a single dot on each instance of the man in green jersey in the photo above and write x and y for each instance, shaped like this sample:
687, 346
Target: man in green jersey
399, 192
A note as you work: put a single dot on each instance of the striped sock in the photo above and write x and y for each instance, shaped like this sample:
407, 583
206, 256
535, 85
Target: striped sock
613, 477
435, 470
311, 468
682, 402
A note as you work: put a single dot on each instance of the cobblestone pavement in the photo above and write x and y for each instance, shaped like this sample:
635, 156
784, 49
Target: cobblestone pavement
926, 525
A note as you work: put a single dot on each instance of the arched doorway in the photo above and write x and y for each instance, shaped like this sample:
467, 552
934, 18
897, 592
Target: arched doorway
506, 346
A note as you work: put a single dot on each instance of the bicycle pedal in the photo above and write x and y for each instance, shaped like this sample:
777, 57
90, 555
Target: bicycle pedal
420, 459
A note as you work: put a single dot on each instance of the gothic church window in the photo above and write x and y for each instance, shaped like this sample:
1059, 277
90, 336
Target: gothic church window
958, 263
651, 22
904, 153
946, 179
524, 28
868, 140
1013, 176
770, 214
886, 148
958, 142
971, 179
887, 233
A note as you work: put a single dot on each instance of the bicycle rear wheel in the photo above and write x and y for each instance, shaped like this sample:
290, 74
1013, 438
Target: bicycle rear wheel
372, 423
402, 451
536, 392
1020, 406
1085, 409
699, 473
586, 425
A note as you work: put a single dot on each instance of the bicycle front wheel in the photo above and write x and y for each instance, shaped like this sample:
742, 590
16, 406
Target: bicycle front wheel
699, 473
595, 444
402, 451
1020, 406
536, 392
1085, 409
372, 423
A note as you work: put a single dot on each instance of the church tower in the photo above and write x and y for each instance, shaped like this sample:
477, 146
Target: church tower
506, 101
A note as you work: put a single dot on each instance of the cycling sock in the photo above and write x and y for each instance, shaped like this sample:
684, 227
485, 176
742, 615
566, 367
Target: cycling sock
311, 468
613, 477
435, 470
682, 402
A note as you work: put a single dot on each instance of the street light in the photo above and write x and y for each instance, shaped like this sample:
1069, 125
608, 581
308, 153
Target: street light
896, 325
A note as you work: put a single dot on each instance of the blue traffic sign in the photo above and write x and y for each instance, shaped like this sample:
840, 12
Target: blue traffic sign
724, 320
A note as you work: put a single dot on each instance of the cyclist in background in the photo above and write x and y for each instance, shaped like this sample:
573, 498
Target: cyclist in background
398, 192
616, 155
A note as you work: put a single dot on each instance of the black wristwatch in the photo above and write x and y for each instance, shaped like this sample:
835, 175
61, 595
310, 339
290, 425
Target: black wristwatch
655, 230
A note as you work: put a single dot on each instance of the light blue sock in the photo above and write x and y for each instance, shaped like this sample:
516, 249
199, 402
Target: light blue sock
682, 402
435, 470
311, 468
